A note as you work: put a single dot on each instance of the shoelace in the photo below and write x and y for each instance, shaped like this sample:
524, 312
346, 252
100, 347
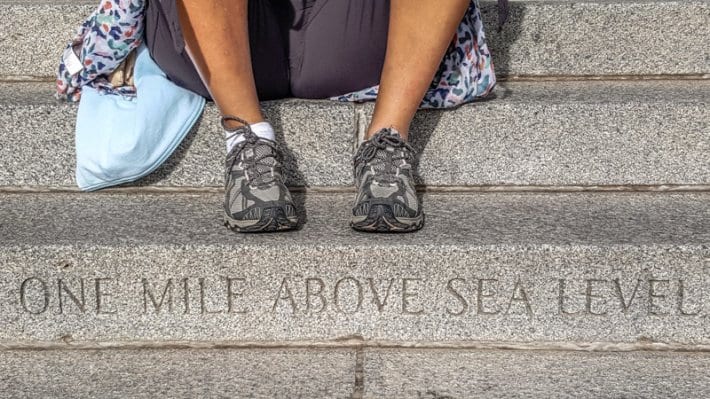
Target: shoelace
255, 173
380, 142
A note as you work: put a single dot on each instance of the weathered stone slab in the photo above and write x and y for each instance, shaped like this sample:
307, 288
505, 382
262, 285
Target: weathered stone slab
594, 133
503, 268
36, 32
436, 374
597, 37
37, 142
177, 373
541, 38
590, 133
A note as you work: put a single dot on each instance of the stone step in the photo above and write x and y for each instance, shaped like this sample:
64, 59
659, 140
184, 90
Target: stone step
561, 37
553, 133
515, 374
590, 269
287, 373
332, 373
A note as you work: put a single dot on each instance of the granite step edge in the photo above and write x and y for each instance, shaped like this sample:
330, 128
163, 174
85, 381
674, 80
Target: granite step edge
563, 137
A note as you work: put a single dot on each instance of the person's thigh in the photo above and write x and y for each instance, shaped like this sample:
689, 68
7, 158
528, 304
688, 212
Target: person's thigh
164, 41
267, 42
339, 48
269, 50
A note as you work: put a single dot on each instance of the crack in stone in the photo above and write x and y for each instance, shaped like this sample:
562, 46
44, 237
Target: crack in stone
359, 345
359, 389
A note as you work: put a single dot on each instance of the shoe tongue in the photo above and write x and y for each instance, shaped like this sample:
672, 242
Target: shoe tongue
383, 157
266, 160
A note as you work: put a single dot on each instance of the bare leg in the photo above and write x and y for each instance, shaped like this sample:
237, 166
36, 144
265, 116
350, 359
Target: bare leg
420, 31
207, 26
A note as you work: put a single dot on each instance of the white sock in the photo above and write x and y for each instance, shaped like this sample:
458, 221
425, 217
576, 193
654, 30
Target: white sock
261, 129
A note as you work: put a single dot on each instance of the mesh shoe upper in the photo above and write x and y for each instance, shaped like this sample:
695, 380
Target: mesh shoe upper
254, 179
384, 175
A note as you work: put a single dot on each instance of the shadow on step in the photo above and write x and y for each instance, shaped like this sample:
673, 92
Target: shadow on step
294, 176
292, 173
426, 122
500, 42
167, 168
423, 126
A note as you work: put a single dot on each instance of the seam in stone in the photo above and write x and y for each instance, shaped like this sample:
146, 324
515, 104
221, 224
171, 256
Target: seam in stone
501, 78
666, 188
609, 78
359, 386
360, 344
26, 79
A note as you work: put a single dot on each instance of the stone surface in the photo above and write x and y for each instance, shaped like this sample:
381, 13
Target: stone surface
488, 267
589, 133
177, 374
542, 37
434, 374
37, 144
618, 37
35, 34
594, 133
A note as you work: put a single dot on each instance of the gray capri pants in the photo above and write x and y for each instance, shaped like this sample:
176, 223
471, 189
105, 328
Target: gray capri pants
300, 48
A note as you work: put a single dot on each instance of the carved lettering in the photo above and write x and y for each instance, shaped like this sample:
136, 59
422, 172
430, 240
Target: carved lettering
317, 293
25, 286
336, 294
376, 299
283, 295
619, 293
590, 295
233, 293
102, 295
167, 294
186, 295
681, 299
203, 299
78, 299
483, 292
311, 295
407, 295
653, 295
520, 296
561, 298
450, 288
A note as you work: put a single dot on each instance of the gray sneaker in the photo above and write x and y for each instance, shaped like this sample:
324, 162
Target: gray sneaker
387, 200
256, 198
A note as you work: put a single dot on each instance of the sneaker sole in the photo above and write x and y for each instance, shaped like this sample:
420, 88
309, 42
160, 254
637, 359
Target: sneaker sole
272, 219
381, 219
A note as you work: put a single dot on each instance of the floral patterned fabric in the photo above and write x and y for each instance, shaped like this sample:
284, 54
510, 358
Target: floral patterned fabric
116, 28
102, 42
466, 72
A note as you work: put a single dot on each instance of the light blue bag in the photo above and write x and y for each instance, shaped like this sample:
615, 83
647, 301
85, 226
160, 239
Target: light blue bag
121, 139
